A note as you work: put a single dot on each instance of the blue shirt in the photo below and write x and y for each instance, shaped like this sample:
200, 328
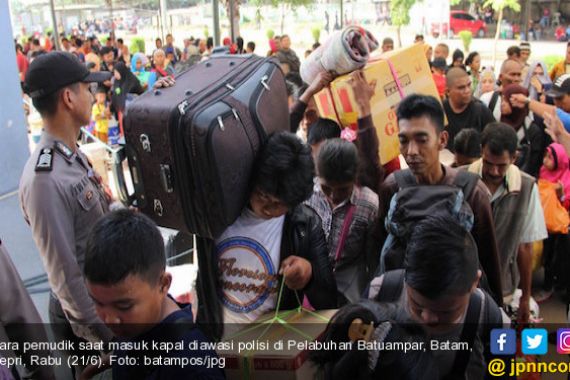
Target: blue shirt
564, 117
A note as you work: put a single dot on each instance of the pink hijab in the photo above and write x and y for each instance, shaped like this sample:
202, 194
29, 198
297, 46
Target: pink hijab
561, 170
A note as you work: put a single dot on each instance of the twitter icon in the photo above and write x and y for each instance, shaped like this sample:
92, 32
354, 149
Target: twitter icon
534, 341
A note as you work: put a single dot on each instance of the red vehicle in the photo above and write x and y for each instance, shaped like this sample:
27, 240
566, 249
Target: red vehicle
459, 21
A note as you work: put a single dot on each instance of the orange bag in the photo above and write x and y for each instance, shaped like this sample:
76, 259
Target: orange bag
555, 215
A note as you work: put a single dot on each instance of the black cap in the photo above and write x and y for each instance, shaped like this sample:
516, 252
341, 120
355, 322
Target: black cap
439, 63
560, 87
52, 71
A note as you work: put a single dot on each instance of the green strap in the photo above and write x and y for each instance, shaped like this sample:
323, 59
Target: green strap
280, 318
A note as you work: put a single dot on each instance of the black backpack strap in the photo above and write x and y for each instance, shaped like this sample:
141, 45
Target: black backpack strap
392, 286
467, 182
493, 101
470, 327
405, 178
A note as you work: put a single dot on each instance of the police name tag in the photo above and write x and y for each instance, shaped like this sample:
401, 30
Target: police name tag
45, 160
64, 149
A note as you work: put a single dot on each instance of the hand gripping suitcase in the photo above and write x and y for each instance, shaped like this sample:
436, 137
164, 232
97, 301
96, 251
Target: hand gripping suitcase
191, 147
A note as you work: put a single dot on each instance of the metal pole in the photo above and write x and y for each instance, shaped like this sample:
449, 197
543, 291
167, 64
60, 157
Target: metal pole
162, 18
112, 19
232, 26
54, 20
216, 14
526, 19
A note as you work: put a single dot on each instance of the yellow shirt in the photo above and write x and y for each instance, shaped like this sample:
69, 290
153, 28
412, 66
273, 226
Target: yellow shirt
558, 69
101, 125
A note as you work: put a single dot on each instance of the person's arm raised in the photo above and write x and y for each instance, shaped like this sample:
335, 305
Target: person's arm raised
555, 130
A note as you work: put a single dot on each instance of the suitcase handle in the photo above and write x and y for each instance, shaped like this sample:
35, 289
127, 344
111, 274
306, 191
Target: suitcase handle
117, 167
137, 199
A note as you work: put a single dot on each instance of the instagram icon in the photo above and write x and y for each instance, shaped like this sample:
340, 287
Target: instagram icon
563, 341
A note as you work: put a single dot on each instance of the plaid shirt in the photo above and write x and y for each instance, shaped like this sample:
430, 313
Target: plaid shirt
365, 214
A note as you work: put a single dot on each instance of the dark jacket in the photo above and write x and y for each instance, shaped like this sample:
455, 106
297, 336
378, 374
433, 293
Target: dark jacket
531, 149
303, 237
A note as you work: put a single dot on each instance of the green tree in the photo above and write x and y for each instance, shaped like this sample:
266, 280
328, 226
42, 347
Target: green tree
466, 37
400, 14
236, 14
500, 5
286, 6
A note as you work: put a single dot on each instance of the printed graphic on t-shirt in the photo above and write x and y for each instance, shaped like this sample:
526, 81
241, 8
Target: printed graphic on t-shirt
248, 274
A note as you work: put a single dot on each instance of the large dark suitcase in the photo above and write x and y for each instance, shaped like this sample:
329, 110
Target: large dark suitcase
191, 147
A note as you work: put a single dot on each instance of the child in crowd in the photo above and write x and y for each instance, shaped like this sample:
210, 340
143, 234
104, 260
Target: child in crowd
101, 114
125, 276
438, 68
556, 170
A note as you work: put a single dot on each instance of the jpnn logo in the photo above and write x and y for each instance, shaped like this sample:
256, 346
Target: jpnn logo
503, 342
534, 341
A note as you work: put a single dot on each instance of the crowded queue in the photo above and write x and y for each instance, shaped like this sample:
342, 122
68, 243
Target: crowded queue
338, 229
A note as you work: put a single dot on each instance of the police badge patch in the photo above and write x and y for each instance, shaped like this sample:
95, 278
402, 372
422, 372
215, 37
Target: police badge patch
45, 160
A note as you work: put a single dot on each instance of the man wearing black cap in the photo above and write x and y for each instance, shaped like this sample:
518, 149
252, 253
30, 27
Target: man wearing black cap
60, 194
560, 92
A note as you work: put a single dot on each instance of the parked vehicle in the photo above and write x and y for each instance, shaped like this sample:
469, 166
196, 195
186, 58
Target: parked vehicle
459, 21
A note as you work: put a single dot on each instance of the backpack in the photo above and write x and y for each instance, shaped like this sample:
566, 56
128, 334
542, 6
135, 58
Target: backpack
414, 202
391, 290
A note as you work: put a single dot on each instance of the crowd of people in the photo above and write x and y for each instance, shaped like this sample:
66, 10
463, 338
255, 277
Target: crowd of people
424, 252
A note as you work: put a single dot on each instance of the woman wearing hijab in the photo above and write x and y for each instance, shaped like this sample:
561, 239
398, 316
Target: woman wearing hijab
537, 81
555, 169
487, 83
125, 83
138, 63
531, 138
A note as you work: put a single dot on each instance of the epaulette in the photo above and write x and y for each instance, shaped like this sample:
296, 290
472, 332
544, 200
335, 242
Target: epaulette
45, 160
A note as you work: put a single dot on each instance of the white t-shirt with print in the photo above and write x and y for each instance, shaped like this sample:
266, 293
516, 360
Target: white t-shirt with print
248, 254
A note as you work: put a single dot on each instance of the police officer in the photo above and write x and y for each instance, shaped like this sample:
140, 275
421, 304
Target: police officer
60, 194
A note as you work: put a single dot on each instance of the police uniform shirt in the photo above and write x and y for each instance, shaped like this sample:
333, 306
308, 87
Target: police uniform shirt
61, 200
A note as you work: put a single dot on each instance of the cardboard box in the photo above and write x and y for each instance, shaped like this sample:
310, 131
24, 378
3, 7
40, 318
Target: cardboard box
255, 352
412, 70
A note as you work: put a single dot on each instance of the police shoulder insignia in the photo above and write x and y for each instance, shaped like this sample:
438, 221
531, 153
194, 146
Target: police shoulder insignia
45, 160
63, 149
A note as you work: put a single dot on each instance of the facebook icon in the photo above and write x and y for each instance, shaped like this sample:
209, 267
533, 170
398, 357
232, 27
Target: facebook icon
503, 342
